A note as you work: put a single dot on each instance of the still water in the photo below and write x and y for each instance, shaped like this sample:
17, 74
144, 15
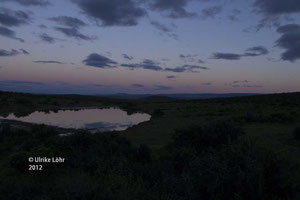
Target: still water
108, 119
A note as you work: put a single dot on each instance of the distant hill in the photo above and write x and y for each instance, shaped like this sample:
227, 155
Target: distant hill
179, 96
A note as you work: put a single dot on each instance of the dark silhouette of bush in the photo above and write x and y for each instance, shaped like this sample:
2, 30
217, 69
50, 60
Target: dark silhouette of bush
204, 162
281, 117
252, 116
144, 153
214, 134
296, 133
19, 161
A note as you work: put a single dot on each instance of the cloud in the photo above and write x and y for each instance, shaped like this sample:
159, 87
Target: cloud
247, 86
171, 77
207, 84
250, 52
23, 51
13, 52
68, 21
97, 60
48, 62
127, 56
244, 84
162, 27
165, 29
10, 17
138, 85
290, 41
227, 56
17, 82
42, 26
186, 68
46, 38
9, 33
244, 81
277, 7
256, 51
30, 2
113, 12
275, 11
201, 61
162, 87
146, 64
188, 57
211, 12
174, 8
73, 32
233, 16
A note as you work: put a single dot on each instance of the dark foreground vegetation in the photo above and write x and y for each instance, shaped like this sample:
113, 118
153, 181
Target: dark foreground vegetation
237, 148
209, 162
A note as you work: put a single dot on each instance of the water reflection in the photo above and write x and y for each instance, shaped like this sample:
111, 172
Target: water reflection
94, 119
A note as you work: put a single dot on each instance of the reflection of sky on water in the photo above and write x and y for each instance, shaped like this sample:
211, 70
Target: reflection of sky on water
92, 119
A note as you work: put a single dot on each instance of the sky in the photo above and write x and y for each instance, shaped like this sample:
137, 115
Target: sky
149, 46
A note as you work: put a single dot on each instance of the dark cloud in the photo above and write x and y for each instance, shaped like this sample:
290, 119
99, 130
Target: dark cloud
97, 60
201, 61
21, 82
244, 84
113, 12
256, 51
211, 12
127, 56
48, 62
275, 11
13, 52
162, 27
277, 7
10, 17
73, 32
290, 41
138, 85
30, 2
146, 64
244, 81
162, 87
233, 16
42, 26
165, 29
227, 56
186, 68
207, 84
46, 38
250, 52
171, 77
9, 33
68, 21
23, 51
174, 8
188, 57
247, 86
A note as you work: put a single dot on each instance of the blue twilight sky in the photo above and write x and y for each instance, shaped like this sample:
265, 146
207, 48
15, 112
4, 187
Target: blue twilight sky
149, 46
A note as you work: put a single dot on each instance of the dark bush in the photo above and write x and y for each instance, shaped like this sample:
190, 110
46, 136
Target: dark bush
214, 134
296, 133
144, 153
252, 116
19, 161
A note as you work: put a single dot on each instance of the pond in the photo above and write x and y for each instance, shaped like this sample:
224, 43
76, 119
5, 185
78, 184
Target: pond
93, 119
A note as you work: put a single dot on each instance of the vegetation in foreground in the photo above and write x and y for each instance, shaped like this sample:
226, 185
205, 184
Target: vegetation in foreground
209, 162
236, 148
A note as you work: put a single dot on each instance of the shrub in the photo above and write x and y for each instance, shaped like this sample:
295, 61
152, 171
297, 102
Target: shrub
214, 134
297, 133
